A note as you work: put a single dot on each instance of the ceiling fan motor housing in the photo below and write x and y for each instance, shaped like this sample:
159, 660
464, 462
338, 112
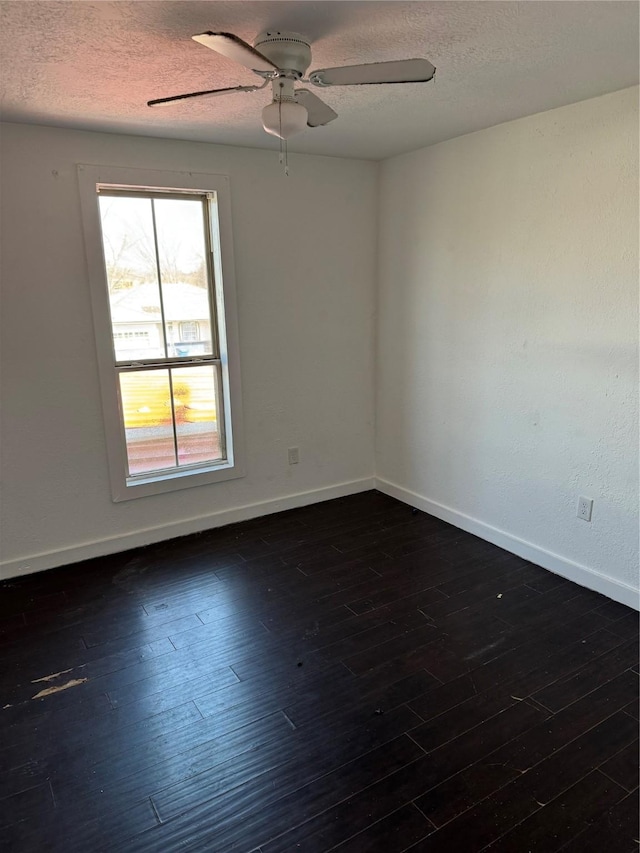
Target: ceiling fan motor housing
289, 51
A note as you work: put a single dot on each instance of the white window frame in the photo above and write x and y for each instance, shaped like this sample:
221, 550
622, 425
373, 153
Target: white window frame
91, 177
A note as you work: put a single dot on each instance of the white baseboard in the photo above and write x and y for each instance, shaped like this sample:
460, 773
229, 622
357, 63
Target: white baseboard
527, 550
123, 542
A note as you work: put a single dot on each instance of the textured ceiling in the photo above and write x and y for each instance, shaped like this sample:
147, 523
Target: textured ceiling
93, 65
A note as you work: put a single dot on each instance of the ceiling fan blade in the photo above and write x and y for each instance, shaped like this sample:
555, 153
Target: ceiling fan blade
234, 48
398, 71
159, 101
319, 112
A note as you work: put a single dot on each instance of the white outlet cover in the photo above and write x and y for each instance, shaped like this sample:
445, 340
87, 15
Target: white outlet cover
585, 507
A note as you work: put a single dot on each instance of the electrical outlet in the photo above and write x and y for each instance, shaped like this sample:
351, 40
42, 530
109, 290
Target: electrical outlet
294, 455
585, 505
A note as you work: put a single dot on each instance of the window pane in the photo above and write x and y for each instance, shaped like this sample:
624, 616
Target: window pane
148, 420
195, 396
132, 276
180, 228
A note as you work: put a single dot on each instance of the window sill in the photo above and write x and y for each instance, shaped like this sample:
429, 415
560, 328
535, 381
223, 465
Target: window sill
163, 482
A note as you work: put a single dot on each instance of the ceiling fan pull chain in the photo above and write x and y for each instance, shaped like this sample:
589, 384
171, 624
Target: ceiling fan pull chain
284, 156
280, 130
284, 151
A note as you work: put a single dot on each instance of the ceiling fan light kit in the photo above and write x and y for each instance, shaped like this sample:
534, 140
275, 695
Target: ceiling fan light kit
284, 116
282, 59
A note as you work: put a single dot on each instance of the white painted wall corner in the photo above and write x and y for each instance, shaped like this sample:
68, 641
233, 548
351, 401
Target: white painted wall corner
527, 550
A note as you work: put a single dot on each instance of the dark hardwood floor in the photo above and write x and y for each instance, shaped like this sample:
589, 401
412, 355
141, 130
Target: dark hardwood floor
352, 676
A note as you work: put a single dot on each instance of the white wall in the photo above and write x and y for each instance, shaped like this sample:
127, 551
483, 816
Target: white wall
507, 361
506, 378
305, 255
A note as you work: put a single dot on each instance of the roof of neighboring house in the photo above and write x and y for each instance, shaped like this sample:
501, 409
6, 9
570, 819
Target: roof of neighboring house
141, 303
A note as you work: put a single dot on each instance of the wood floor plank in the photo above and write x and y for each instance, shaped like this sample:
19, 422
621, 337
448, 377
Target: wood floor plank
305, 802
391, 792
617, 829
561, 664
66, 830
23, 732
10, 624
250, 699
81, 747
392, 834
441, 698
627, 627
527, 655
126, 777
203, 804
434, 657
518, 756
21, 806
373, 638
463, 717
16, 780
364, 692
633, 708
588, 678
352, 816
308, 754
613, 610
549, 828
522, 798
624, 766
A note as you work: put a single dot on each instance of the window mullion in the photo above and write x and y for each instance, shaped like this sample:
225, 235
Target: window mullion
173, 418
159, 274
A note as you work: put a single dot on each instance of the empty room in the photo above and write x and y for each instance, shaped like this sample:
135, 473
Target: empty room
319, 396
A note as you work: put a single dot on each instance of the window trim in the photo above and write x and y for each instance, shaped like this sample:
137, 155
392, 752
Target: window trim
225, 309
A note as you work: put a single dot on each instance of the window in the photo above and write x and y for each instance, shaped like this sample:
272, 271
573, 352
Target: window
189, 331
160, 266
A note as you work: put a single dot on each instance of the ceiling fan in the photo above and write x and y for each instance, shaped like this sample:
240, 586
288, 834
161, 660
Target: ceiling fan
282, 58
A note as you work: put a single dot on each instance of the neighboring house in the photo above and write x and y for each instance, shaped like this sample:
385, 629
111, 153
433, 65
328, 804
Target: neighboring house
137, 317
136, 314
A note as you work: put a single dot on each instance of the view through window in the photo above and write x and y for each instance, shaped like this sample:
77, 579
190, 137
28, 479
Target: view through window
157, 254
